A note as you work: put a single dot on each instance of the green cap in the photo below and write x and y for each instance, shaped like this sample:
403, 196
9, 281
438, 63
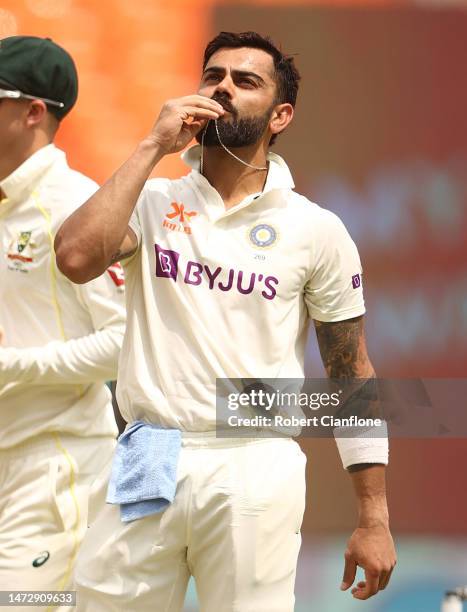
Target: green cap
39, 67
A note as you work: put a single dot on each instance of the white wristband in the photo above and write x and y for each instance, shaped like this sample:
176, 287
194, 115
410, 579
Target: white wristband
362, 445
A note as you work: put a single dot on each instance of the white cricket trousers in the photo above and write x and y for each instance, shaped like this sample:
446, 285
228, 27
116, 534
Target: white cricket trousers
234, 526
44, 492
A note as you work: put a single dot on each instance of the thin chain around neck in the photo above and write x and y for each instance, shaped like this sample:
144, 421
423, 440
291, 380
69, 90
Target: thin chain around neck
225, 149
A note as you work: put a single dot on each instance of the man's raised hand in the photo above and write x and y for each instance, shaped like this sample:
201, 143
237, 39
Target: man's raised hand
181, 119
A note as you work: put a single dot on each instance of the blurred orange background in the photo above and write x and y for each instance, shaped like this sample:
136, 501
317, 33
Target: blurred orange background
131, 56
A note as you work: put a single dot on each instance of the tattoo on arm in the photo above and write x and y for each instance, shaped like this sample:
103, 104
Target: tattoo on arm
343, 349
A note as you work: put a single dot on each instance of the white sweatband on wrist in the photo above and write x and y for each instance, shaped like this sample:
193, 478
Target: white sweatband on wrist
362, 444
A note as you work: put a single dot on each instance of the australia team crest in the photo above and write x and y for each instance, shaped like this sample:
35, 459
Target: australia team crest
21, 252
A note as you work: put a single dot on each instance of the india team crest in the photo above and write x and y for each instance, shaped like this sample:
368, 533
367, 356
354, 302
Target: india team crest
263, 236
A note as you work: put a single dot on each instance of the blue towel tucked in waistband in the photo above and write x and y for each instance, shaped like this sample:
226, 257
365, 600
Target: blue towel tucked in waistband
144, 470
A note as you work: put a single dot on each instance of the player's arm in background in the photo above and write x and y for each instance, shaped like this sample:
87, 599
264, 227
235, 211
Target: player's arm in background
97, 233
343, 351
82, 360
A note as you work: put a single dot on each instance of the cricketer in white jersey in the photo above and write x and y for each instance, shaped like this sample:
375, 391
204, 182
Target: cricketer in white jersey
60, 341
225, 268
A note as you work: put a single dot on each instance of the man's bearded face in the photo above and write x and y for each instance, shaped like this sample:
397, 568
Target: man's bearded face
234, 131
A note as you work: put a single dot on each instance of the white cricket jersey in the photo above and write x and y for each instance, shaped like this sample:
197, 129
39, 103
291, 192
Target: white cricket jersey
61, 340
215, 293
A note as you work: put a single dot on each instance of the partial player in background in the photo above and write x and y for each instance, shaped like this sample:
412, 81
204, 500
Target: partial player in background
61, 341
225, 269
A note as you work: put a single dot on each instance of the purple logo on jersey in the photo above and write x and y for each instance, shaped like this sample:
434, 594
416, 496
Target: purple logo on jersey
166, 263
196, 273
356, 281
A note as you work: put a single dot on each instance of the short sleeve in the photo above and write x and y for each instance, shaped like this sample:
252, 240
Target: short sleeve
135, 219
134, 224
334, 290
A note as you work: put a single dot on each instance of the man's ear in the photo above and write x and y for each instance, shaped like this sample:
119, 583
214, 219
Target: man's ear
282, 115
37, 111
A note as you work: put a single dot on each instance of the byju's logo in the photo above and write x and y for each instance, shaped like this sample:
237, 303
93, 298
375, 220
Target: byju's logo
196, 273
356, 281
166, 263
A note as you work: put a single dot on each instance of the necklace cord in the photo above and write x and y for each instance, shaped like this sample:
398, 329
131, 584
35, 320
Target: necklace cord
225, 149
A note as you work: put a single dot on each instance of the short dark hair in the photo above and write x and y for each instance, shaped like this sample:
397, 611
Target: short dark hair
286, 74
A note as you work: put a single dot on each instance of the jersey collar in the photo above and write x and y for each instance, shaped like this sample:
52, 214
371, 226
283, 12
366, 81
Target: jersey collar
27, 175
279, 176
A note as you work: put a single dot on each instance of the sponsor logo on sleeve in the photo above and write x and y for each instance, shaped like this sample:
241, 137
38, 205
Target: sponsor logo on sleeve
356, 281
41, 559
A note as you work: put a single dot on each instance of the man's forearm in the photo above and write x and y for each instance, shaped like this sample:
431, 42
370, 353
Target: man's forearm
343, 349
84, 360
369, 482
88, 240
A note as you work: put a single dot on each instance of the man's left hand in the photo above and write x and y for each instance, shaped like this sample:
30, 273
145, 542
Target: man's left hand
372, 548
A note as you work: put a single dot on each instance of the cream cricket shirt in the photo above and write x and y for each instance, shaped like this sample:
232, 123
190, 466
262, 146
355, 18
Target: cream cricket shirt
61, 340
215, 294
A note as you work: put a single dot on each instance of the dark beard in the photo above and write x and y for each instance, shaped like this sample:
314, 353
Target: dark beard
236, 132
